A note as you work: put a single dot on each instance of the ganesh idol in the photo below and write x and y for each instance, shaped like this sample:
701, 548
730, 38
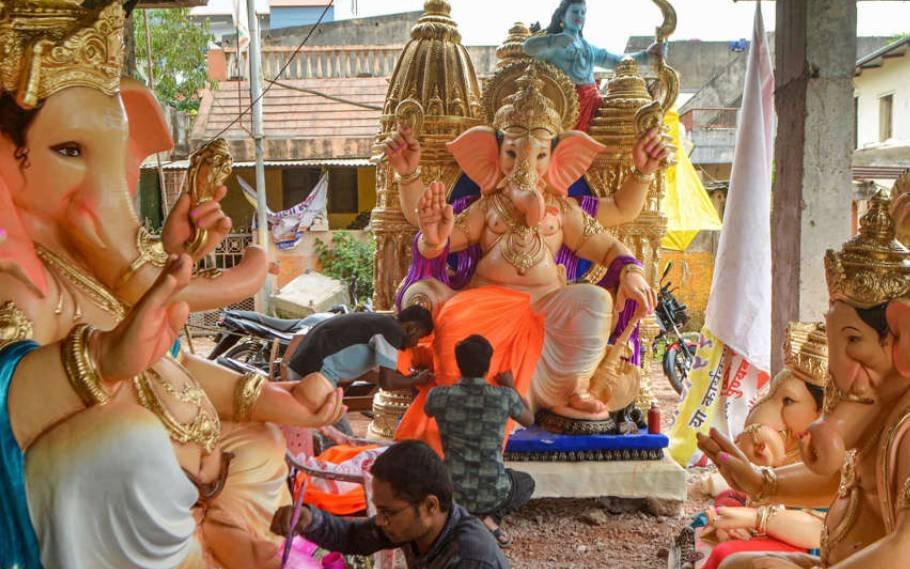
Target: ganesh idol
856, 457
117, 449
552, 334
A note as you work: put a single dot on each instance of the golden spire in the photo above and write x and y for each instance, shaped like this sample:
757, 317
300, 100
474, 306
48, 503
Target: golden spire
873, 267
529, 109
49, 45
436, 23
806, 352
614, 123
513, 48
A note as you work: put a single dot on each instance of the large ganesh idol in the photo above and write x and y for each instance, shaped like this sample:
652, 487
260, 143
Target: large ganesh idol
856, 458
117, 450
553, 335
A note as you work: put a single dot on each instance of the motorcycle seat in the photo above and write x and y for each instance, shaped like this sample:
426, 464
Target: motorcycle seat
280, 326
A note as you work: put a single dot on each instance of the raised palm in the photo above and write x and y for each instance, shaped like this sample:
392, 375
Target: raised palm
403, 150
650, 150
434, 216
149, 329
183, 220
732, 464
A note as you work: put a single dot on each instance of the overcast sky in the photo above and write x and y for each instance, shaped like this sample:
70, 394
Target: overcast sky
610, 22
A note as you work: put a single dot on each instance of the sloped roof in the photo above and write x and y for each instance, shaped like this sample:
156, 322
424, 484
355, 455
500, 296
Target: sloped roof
298, 123
876, 59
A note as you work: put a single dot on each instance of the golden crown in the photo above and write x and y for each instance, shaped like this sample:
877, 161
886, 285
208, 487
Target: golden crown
528, 109
806, 352
49, 45
873, 267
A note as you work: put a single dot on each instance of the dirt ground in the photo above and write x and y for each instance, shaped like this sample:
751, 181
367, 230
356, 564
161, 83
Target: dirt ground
591, 533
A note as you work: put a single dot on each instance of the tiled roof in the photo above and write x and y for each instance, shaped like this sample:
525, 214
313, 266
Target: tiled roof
298, 125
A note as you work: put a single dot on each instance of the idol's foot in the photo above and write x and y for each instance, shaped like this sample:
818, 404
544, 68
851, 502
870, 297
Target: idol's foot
586, 403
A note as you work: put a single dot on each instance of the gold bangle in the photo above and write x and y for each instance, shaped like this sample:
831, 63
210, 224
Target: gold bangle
409, 177
769, 485
430, 246
80, 366
631, 268
640, 176
247, 391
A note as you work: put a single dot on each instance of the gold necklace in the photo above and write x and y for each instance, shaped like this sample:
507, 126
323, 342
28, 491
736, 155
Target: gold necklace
204, 429
92, 288
523, 246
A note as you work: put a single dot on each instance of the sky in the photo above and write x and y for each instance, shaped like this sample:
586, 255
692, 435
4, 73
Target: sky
610, 22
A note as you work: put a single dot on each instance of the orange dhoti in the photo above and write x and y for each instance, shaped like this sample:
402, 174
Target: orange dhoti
504, 317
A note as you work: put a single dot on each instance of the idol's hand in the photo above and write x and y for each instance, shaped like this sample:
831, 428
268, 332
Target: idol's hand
181, 224
434, 216
732, 464
403, 151
635, 287
650, 151
736, 518
149, 329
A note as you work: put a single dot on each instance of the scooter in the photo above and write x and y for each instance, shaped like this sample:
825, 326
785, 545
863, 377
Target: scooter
680, 347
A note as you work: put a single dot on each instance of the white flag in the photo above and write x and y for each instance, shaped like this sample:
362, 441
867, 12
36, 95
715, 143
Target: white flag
739, 308
241, 23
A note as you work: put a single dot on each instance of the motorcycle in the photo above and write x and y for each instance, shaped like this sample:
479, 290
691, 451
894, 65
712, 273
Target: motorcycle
261, 341
680, 347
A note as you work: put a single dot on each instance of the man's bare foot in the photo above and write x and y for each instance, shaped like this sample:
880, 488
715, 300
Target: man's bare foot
587, 405
502, 538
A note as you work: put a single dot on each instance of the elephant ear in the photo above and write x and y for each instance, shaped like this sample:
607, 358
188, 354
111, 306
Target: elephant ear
898, 315
575, 151
149, 132
477, 152
17, 253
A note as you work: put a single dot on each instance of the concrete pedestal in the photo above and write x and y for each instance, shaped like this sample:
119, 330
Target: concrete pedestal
660, 479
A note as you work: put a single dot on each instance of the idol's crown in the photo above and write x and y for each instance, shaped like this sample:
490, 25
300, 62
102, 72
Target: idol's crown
49, 45
806, 352
528, 109
873, 267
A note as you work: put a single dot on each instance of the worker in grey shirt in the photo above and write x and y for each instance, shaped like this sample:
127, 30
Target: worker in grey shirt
412, 493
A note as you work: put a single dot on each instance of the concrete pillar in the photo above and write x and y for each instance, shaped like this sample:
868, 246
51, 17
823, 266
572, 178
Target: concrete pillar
815, 58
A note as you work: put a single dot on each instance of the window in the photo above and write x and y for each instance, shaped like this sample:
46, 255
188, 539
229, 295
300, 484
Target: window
297, 184
343, 190
885, 106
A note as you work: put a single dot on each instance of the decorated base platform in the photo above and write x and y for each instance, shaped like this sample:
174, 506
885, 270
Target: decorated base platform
538, 444
592, 466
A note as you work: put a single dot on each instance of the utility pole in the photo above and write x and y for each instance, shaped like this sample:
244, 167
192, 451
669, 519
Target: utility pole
255, 93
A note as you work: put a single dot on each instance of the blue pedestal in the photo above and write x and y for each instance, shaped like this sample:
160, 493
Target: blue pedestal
537, 444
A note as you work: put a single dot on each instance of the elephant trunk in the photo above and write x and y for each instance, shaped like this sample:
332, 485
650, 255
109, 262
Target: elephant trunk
110, 247
526, 194
829, 438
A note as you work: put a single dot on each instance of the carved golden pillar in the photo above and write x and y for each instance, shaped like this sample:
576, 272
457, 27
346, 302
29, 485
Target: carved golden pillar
614, 125
434, 90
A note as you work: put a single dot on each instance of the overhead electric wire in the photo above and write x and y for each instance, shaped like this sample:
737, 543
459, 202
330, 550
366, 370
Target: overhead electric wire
280, 71
324, 95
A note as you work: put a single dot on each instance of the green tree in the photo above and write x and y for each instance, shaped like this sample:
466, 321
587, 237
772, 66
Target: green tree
179, 47
349, 260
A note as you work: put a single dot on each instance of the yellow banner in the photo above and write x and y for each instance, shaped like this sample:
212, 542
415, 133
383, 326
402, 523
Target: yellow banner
696, 413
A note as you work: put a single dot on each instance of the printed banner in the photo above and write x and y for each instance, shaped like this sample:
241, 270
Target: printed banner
288, 226
702, 399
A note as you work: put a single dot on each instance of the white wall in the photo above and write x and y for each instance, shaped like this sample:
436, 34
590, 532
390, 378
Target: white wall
892, 77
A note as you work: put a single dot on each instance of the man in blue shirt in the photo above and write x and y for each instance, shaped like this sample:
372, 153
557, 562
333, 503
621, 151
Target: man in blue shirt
347, 346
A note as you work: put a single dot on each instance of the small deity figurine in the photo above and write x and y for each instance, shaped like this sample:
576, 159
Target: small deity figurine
563, 44
541, 327
856, 458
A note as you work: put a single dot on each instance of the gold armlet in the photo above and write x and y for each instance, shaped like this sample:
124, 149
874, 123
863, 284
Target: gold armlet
640, 176
151, 251
14, 324
404, 179
80, 366
247, 391
769, 485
